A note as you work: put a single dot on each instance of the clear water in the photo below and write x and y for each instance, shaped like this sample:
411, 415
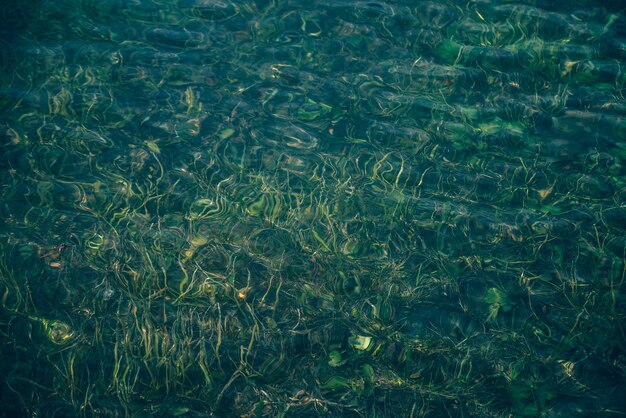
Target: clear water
329, 208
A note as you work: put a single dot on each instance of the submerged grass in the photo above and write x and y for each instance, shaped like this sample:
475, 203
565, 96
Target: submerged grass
257, 209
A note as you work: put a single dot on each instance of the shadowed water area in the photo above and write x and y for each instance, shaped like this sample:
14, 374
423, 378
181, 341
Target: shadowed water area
312, 208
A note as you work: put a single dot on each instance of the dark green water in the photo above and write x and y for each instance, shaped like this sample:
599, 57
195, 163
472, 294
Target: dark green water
322, 208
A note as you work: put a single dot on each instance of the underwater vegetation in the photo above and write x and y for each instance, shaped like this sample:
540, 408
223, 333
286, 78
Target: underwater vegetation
333, 208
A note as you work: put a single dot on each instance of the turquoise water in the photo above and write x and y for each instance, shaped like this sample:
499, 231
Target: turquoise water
331, 208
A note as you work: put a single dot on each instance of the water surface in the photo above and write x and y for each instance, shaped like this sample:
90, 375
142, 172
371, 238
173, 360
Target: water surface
329, 208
